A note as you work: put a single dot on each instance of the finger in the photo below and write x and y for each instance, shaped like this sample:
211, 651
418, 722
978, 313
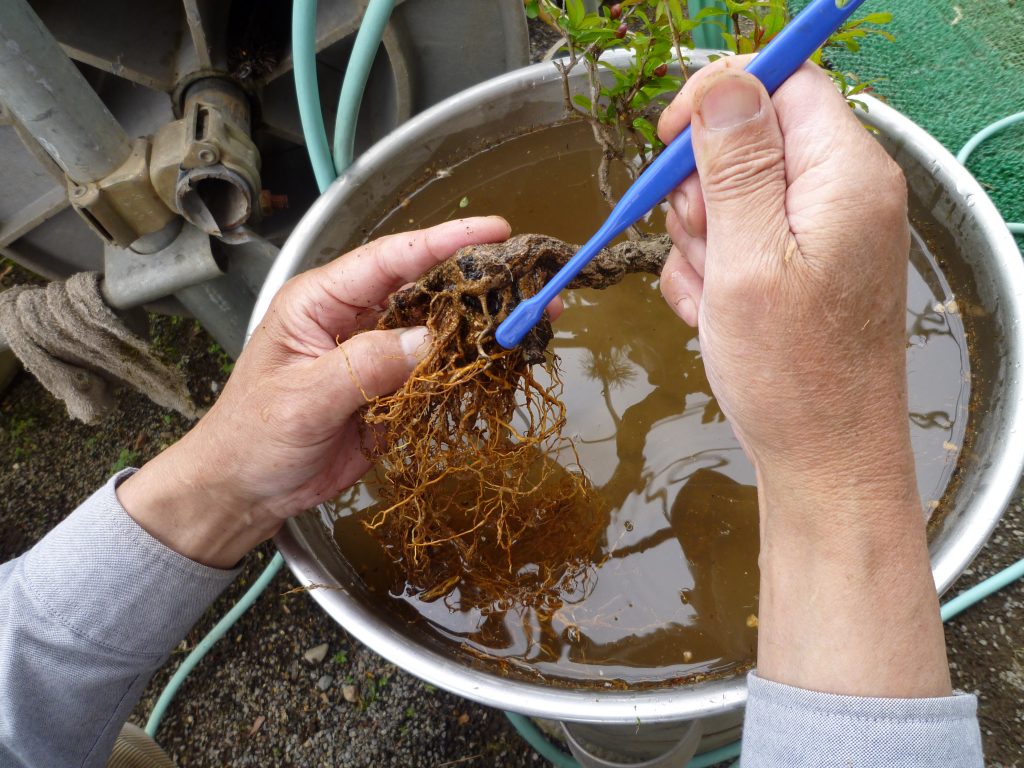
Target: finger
741, 163
371, 273
331, 296
365, 319
555, 308
693, 249
370, 365
682, 287
678, 114
687, 200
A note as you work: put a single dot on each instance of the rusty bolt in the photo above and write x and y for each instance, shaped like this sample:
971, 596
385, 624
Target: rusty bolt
269, 202
207, 156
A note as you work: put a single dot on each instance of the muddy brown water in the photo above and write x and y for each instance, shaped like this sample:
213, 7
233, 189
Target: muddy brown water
673, 594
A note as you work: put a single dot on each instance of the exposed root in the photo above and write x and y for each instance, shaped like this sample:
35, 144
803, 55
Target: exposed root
473, 505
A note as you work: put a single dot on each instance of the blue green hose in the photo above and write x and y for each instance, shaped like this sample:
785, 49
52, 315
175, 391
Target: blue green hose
965, 600
539, 742
204, 645
975, 141
364, 51
308, 94
308, 97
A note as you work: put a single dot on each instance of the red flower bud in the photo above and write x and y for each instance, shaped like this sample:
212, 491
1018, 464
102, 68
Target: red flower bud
615, 11
661, 71
621, 31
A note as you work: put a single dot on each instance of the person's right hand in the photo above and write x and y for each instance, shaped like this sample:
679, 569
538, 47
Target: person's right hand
791, 257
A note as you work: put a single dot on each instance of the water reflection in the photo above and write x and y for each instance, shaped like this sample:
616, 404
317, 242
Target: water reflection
672, 590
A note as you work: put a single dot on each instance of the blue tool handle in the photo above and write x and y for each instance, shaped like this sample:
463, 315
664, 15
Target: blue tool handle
794, 44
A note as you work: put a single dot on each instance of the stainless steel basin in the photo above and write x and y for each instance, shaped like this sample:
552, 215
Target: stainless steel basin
987, 264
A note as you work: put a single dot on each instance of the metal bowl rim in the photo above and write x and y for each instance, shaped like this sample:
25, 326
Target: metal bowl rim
595, 705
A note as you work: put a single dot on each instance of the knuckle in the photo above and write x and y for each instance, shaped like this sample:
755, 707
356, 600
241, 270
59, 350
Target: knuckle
370, 361
742, 169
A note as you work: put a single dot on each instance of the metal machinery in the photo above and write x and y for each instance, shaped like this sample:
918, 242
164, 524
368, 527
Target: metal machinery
159, 142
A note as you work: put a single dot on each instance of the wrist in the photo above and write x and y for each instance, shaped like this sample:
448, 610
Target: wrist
850, 479
188, 505
847, 603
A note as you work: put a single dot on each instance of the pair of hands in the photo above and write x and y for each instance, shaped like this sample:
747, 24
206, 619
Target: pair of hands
790, 255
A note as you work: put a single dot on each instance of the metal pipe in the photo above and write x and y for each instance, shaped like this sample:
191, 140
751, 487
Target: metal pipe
131, 279
53, 101
223, 94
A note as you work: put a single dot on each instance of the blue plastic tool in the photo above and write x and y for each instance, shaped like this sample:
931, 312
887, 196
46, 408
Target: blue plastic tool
794, 44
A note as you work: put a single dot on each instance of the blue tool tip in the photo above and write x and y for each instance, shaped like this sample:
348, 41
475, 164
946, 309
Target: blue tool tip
514, 327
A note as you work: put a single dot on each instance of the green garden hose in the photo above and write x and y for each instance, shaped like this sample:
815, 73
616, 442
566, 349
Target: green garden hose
707, 34
364, 50
965, 600
975, 141
304, 57
204, 645
307, 93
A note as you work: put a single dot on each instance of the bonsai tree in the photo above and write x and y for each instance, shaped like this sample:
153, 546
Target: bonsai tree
621, 106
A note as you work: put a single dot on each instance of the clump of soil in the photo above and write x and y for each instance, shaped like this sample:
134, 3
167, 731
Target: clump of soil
471, 496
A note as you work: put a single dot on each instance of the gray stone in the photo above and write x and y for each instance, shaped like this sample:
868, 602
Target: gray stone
316, 654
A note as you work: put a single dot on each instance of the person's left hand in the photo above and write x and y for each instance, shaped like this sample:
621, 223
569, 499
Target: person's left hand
284, 434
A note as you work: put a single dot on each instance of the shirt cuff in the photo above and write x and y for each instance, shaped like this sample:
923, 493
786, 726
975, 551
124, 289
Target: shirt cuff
103, 577
783, 722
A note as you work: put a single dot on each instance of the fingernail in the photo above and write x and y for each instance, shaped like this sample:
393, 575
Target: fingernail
729, 101
415, 342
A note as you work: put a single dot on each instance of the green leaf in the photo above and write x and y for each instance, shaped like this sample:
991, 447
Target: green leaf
582, 101
575, 11
675, 8
646, 129
882, 17
710, 12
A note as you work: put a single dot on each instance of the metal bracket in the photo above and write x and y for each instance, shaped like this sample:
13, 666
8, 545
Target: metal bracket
122, 206
131, 279
205, 165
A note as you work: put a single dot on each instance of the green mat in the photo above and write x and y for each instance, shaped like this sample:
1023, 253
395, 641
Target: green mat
956, 66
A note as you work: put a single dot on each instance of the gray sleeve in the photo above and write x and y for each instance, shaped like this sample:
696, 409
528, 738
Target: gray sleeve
86, 617
793, 727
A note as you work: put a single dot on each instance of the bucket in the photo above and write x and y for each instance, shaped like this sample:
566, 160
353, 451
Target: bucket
985, 261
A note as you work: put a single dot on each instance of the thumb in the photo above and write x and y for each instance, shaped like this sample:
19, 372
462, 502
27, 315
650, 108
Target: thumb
740, 159
371, 364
